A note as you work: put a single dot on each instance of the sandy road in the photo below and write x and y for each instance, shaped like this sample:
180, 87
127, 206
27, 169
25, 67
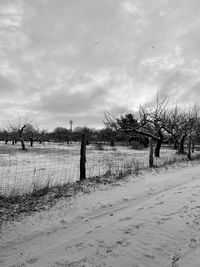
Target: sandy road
151, 222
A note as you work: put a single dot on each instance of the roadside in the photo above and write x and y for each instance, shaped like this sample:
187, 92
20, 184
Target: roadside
16, 205
149, 220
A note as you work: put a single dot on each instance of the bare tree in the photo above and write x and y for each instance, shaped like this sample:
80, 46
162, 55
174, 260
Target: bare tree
5, 136
42, 136
19, 129
107, 134
13, 135
31, 133
154, 121
149, 122
180, 124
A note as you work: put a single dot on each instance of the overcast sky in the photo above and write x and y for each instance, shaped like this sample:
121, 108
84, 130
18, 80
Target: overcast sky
74, 59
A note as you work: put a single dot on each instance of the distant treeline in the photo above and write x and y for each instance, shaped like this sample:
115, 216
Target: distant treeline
29, 133
161, 124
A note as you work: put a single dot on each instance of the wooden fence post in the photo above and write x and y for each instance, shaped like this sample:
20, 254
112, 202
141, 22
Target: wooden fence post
83, 157
150, 153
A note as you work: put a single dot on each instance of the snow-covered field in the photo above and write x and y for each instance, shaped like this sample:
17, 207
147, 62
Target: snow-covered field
59, 163
152, 220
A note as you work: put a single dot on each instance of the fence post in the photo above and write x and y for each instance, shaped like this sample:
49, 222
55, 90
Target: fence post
83, 157
150, 153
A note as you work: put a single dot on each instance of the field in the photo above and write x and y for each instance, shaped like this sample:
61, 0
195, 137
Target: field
58, 163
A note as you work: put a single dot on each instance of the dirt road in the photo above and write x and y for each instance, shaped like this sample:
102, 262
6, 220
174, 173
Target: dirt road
146, 222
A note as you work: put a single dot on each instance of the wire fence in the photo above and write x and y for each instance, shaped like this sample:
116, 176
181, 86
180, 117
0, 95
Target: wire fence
59, 163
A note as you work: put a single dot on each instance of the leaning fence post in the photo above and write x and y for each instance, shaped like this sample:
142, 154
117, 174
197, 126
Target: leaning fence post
150, 153
83, 157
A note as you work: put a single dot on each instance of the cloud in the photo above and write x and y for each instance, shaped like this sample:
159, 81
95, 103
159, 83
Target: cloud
6, 86
72, 103
78, 58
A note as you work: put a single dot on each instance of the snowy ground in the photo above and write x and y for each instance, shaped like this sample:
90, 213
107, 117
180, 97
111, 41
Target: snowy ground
149, 221
59, 163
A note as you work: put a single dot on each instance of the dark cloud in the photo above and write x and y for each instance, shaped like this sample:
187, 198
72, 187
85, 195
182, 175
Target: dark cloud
73, 103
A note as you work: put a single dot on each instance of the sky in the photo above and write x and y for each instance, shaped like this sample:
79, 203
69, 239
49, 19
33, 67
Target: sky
76, 59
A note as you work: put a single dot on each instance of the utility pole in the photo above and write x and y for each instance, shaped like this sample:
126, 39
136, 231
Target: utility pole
71, 123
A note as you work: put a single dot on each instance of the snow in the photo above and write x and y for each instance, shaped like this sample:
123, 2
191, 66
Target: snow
59, 163
146, 221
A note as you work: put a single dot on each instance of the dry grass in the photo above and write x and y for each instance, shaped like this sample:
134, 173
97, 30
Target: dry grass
43, 196
44, 166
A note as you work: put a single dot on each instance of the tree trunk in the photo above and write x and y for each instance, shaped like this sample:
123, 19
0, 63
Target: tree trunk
111, 142
31, 142
189, 149
13, 142
181, 147
150, 153
175, 145
20, 131
193, 145
22, 143
6, 141
157, 148
146, 142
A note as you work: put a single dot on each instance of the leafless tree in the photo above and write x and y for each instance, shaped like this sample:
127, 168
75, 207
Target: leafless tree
31, 133
180, 124
149, 122
42, 136
19, 129
5, 135
13, 135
